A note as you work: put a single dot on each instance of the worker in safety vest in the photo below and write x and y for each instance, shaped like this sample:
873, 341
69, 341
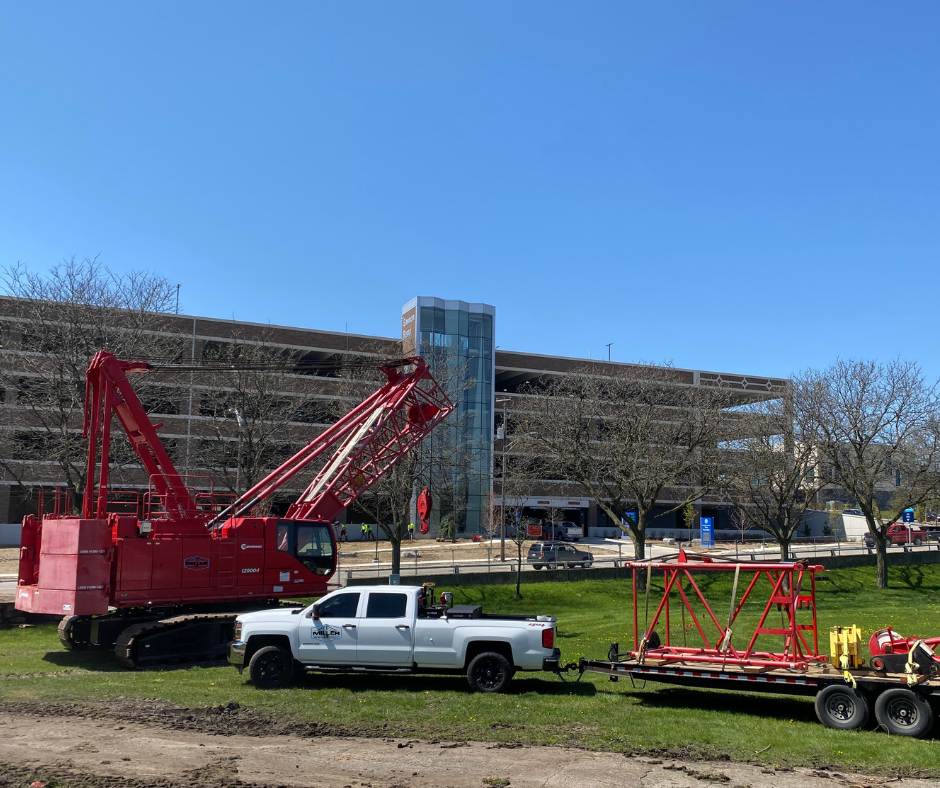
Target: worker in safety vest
364, 530
411, 531
342, 533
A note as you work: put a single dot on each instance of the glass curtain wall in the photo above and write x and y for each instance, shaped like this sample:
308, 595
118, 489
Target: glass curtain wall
458, 344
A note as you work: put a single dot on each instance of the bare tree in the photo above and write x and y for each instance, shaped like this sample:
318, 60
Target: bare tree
258, 408
632, 438
56, 321
878, 433
772, 470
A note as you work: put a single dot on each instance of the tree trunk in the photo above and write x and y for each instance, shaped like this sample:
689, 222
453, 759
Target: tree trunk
395, 541
784, 549
519, 571
881, 551
638, 536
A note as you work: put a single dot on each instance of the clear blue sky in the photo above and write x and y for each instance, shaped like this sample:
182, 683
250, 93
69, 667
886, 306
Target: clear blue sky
736, 186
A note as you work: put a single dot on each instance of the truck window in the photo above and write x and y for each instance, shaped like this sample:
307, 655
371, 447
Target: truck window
387, 605
340, 606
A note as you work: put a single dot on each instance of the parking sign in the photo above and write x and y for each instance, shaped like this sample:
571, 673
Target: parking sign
908, 515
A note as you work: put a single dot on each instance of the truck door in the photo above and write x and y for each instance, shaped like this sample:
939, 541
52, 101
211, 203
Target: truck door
331, 639
386, 628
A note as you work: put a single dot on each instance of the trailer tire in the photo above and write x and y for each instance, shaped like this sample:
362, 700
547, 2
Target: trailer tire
489, 671
841, 707
903, 712
271, 667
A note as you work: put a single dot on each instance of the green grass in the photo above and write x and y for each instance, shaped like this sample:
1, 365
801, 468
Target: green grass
540, 709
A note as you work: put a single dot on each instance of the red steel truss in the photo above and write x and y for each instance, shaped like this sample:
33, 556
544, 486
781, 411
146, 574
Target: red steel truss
787, 594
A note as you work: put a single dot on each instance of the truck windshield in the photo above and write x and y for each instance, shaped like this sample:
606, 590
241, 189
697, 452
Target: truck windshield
310, 543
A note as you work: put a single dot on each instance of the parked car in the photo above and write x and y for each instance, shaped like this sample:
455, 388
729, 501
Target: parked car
898, 534
572, 531
552, 555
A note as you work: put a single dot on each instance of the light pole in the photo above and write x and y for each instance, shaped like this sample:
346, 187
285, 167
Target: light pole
238, 462
608, 349
502, 485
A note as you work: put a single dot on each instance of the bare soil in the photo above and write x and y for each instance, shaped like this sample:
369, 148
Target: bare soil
153, 744
9, 560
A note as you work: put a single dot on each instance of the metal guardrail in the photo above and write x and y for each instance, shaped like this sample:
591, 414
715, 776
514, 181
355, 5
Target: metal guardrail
411, 568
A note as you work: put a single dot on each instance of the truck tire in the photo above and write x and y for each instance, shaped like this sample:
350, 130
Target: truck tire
549, 566
841, 707
903, 712
489, 672
271, 667
918, 541
536, 566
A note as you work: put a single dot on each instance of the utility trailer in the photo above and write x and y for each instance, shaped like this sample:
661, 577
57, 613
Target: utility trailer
900, 683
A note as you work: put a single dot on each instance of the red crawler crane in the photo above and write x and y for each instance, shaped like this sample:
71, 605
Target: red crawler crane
167, 582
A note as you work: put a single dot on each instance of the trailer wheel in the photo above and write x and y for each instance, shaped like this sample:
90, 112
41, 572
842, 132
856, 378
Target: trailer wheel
903, 712
271, 667
489, 672
841, 707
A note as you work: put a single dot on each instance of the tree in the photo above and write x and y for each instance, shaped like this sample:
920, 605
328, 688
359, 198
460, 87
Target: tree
61, 318
258, 408
632, 438
878, 434
772, 470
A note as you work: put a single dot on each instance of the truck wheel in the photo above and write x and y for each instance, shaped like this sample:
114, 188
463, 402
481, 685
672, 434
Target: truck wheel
903, 712
536, 566
918, 541
271, 667
489, 672
841, 707
549, 566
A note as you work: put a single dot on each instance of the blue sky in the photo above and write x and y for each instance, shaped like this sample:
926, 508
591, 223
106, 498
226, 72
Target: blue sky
736, 186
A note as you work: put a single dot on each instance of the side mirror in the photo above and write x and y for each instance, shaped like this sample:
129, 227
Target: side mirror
316, 611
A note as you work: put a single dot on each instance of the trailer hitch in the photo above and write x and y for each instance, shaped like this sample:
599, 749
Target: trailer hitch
562, 671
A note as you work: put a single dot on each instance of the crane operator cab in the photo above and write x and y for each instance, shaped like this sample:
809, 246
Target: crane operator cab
310, 542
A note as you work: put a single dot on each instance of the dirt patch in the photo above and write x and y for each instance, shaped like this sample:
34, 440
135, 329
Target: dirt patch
229, 719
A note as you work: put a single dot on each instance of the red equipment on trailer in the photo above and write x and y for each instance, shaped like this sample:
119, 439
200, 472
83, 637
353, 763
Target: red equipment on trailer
168, 582
899, 683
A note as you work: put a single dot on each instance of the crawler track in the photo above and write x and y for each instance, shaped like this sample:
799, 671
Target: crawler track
199, 637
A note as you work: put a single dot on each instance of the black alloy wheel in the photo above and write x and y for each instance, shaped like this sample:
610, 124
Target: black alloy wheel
489, 672
271, 667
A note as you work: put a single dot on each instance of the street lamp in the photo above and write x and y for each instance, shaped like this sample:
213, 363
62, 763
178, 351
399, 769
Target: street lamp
501, 434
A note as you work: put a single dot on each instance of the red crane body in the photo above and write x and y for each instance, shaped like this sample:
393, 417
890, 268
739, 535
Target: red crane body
187, 545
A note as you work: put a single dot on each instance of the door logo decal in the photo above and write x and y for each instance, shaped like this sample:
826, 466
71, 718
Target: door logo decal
325, 632
196, 562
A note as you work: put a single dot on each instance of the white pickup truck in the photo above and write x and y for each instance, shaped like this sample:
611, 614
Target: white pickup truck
397, 629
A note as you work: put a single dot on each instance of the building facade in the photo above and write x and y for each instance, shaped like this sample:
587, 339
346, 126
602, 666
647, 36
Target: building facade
205, 432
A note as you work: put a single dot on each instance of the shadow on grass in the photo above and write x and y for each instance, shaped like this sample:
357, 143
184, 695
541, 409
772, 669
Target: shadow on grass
101, 661
419, 684
775, 707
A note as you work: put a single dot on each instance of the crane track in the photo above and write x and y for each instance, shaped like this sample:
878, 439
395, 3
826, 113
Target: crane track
128, 644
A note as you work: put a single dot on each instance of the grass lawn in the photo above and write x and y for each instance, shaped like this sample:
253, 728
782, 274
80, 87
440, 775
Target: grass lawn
541, 709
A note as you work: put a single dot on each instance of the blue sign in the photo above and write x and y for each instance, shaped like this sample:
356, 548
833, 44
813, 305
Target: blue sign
708, 531
518, 517
630, 520
908, 515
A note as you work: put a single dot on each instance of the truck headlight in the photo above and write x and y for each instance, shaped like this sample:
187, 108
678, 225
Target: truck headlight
238, 630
